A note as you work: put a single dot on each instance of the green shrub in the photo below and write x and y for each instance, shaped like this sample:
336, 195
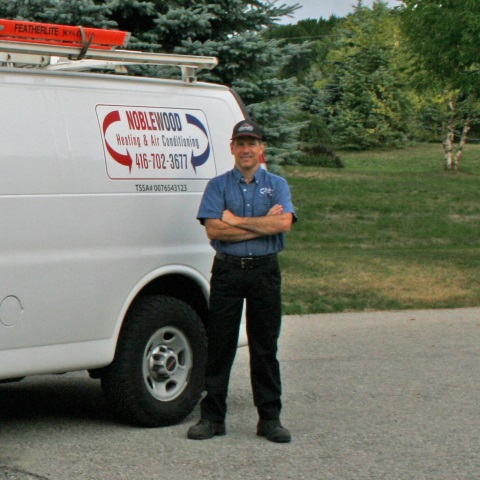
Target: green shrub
320, 156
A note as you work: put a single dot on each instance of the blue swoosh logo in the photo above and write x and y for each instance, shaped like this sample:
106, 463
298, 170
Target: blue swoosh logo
198, 160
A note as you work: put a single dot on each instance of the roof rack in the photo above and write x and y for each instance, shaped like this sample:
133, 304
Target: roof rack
31, 44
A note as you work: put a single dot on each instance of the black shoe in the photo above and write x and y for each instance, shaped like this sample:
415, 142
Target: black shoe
272, 430
205, 429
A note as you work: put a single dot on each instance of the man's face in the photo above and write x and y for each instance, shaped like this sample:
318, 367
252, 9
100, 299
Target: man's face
247, 152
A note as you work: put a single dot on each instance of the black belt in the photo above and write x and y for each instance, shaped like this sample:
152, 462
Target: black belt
247, 262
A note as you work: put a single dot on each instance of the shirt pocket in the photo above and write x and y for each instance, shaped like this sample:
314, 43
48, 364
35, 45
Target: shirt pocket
236, 207
263, 204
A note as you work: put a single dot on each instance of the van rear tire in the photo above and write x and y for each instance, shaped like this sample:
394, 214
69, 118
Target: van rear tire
157, 375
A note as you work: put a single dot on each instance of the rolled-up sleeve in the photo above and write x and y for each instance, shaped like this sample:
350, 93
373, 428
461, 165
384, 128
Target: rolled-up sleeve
283, 197
212, 203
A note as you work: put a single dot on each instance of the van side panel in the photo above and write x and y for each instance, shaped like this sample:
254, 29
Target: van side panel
78, 241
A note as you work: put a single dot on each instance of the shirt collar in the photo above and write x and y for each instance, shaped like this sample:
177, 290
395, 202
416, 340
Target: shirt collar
240, 178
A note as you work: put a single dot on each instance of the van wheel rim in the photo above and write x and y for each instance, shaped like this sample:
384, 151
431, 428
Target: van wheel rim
167, 363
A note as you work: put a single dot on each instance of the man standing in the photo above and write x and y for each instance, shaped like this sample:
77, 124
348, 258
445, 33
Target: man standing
245, 212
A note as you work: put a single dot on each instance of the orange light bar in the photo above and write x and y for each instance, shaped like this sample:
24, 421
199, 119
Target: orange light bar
53, 34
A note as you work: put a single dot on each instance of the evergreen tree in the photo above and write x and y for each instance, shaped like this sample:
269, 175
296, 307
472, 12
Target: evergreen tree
314, 135
366, 102
72, 12
316, 33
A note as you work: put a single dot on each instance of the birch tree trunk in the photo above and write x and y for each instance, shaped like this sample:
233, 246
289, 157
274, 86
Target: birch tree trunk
461, 143
449, 132
448, 147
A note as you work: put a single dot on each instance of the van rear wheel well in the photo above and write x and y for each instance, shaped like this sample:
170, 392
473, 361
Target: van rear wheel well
181, 287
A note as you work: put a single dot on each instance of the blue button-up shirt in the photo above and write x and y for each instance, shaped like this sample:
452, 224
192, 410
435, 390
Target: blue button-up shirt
231, 192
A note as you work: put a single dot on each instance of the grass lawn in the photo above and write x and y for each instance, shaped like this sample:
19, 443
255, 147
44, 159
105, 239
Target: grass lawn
392, 230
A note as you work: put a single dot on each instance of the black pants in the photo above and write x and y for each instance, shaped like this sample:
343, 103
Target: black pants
260, 286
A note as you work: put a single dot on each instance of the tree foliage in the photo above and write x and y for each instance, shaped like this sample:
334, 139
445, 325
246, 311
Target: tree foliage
446, 36
366, 103
315, 32
73, 12
355, 91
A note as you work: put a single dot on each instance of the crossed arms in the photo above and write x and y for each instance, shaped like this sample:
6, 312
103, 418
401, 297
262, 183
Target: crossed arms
231, 228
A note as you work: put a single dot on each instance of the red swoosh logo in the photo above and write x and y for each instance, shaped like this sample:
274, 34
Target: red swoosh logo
122, 159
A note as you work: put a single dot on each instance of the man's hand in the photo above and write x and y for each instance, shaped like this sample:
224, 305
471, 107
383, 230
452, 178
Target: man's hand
229, 218
275, 210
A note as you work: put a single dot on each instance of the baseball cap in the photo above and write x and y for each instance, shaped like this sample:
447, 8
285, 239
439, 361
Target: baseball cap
246, 128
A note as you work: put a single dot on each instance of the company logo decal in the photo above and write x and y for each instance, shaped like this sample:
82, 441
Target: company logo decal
155, 143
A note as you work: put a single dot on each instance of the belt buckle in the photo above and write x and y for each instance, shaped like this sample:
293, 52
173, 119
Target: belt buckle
246, 262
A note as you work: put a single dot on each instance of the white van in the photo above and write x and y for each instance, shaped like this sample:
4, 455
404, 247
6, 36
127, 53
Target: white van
103, 265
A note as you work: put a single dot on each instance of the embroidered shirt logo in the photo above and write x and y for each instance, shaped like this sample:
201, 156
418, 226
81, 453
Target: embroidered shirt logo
266, 191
